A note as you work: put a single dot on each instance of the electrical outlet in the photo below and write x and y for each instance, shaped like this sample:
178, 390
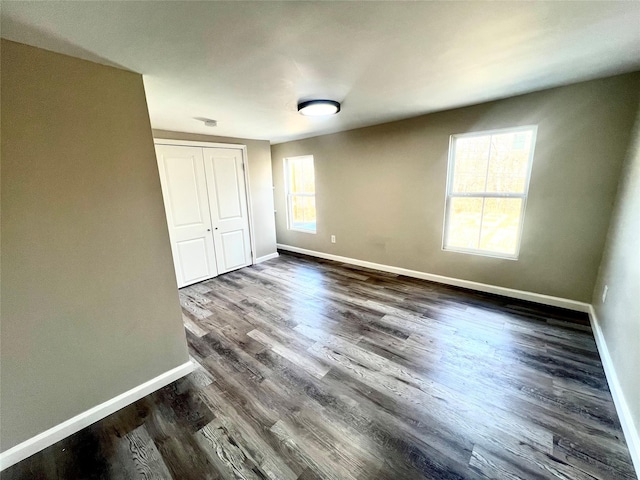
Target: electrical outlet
333, 239
604, 293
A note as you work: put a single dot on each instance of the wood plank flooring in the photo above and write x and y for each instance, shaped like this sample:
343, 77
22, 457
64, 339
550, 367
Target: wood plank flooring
310, 369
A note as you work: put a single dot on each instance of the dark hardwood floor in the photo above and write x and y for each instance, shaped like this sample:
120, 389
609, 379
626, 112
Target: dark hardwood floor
311, 369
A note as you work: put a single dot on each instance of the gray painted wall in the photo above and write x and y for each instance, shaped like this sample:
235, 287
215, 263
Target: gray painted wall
89, 299
619, 316
260, 184
381, 189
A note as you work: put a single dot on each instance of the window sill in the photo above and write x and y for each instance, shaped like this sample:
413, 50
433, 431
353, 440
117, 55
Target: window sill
482, 253
302, 231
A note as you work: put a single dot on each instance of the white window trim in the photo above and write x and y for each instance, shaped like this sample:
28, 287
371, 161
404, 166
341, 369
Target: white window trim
523, 196
289, 196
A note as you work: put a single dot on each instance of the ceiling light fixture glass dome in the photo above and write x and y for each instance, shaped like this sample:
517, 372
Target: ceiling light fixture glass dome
319, 108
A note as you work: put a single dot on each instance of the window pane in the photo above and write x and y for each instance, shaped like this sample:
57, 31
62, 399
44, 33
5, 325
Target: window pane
464, 222
470, 164
296, 167
303, 213
509, 162
302, 175
500, 225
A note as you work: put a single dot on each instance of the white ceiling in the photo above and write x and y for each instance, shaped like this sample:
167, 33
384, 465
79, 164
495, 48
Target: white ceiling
248, 64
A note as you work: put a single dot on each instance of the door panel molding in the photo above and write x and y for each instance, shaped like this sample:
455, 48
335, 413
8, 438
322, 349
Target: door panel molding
224, 170
186, 203
218, 174
247, 176
241, 174
190, 252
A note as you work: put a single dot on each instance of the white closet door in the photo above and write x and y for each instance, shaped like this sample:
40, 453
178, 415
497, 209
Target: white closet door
228, 203
186, 203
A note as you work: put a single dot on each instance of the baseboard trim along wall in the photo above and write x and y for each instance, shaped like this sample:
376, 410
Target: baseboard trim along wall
456, 282
266, 257
631, 435
84, 419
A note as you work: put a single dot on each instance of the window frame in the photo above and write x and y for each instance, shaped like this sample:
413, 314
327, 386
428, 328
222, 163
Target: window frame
289, 195
484, 195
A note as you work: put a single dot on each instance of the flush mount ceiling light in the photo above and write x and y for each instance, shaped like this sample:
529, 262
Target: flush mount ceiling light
318, 108
210, 123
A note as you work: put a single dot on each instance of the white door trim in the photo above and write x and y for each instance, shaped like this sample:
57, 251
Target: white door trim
247, 183
245, 163
188, 143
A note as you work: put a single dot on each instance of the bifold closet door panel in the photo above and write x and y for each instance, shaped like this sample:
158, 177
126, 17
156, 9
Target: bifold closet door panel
228, 204
186, 201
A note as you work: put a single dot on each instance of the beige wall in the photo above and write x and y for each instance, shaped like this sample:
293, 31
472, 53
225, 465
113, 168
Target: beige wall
260, 184
619, 316
89, 300
381, 189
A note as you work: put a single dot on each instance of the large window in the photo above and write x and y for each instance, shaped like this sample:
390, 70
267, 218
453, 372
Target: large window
301, 193
487, 189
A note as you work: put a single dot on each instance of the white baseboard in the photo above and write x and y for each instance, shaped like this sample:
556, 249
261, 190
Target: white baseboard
84, 419
481, 287
266, 257
631, 434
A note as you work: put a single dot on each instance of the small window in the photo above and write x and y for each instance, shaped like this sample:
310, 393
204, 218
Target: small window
301, 193
487, 188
